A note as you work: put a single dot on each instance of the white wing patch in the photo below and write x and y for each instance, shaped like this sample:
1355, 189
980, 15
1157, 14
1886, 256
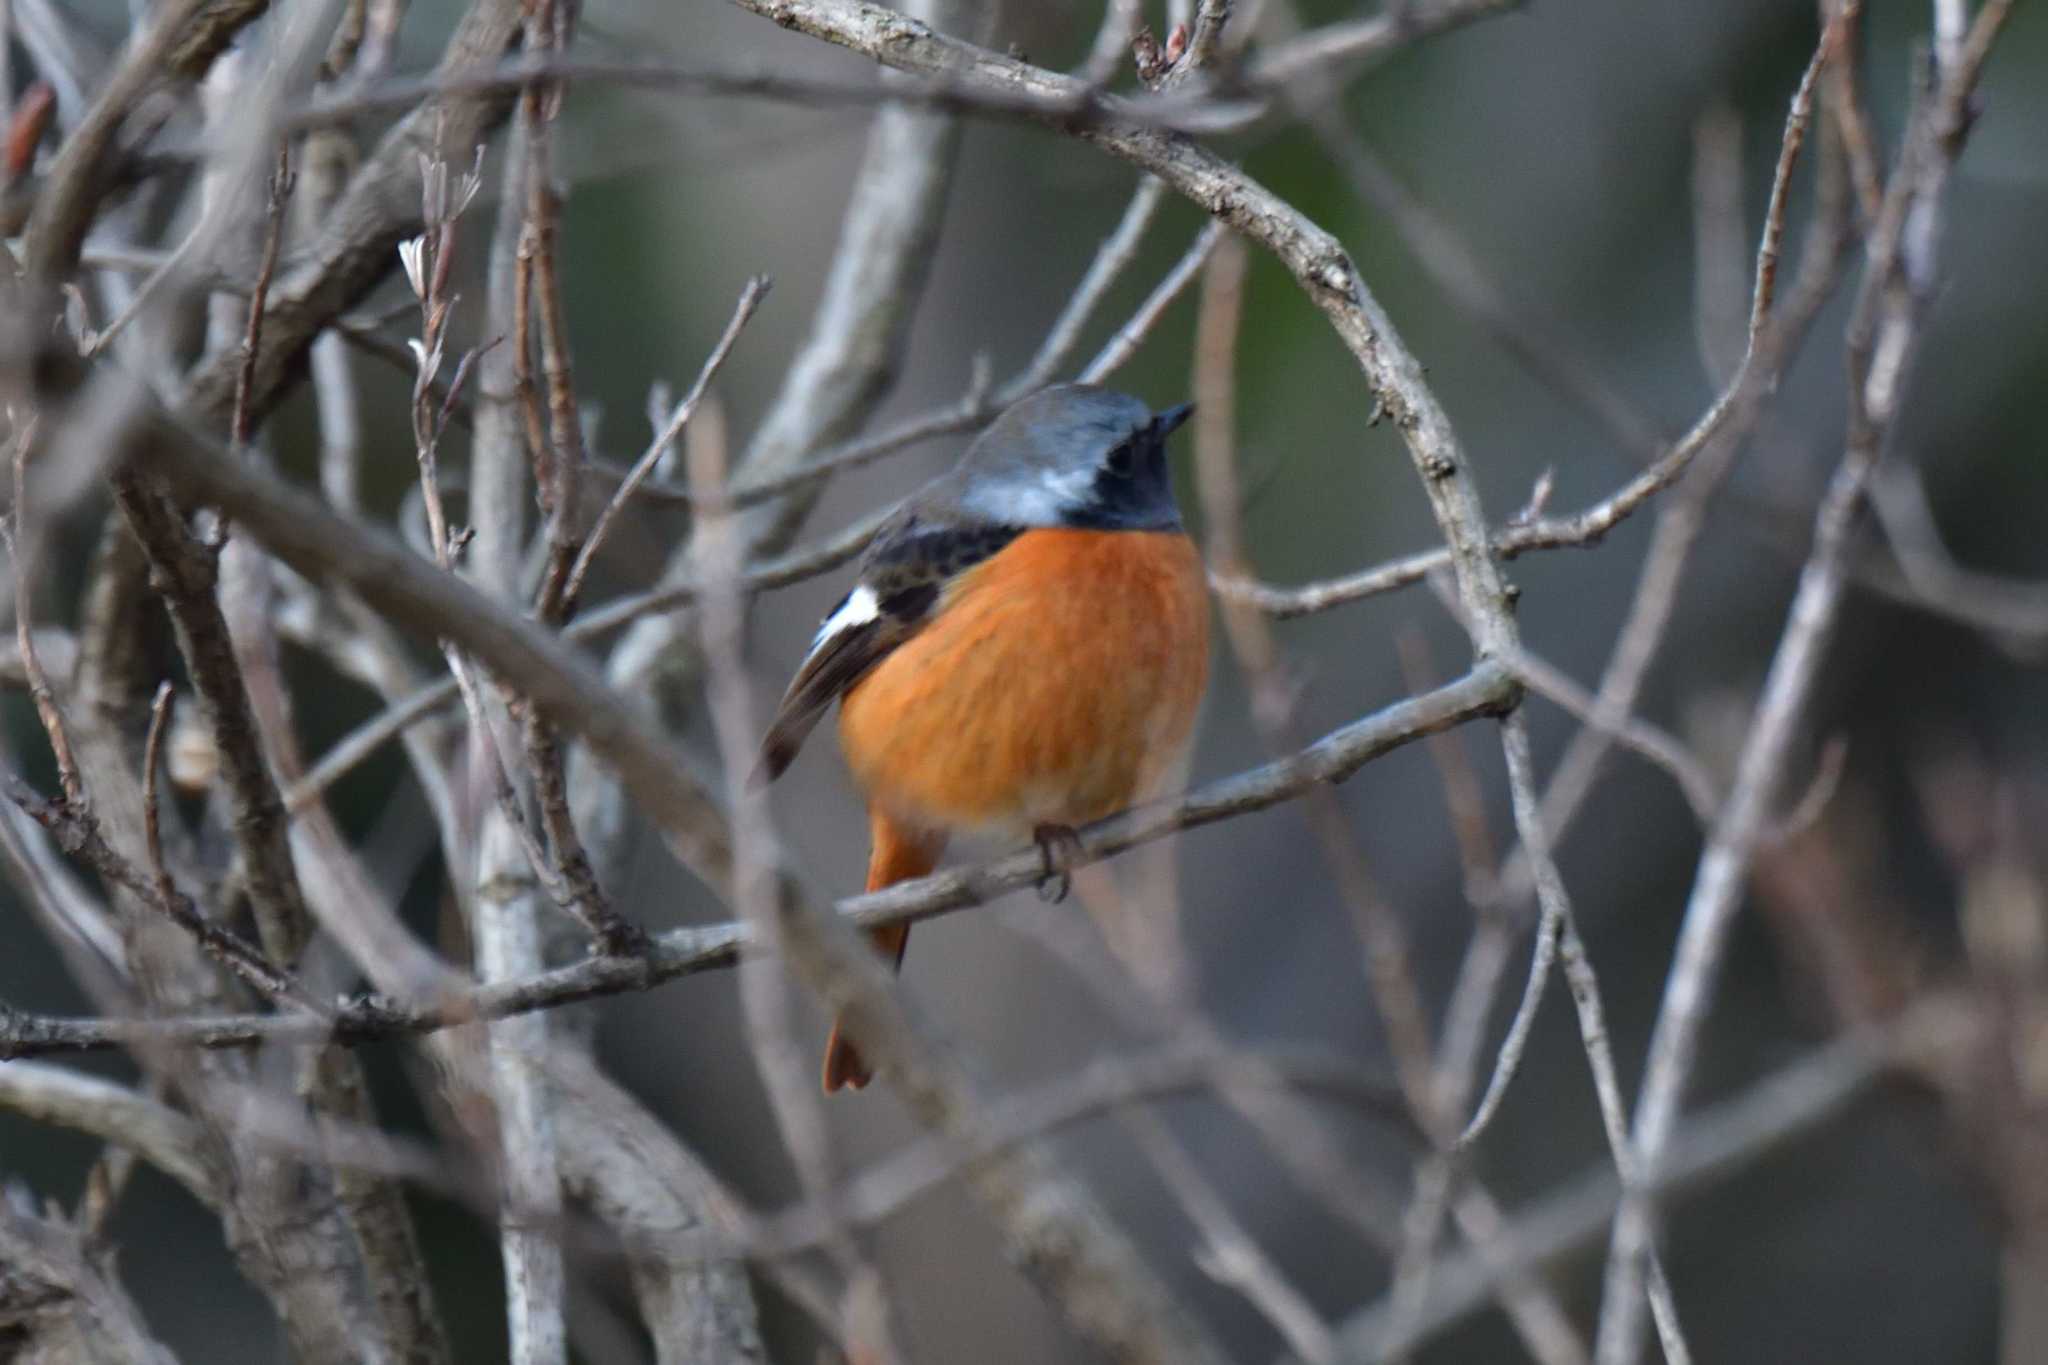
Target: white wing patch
860, 607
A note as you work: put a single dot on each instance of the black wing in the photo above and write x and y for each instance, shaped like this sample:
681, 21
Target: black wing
902, 577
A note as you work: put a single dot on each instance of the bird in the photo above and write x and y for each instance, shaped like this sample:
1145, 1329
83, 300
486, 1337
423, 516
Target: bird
1024, 651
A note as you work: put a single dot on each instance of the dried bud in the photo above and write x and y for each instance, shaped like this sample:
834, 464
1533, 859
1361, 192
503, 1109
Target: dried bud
191, 758
1145, 55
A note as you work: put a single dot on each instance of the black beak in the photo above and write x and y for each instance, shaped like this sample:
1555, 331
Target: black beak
1169, 421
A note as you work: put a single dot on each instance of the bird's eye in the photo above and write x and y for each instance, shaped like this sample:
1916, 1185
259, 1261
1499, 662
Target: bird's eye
1119, 462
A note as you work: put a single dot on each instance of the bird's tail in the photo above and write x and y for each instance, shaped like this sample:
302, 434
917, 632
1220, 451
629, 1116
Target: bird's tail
898, 854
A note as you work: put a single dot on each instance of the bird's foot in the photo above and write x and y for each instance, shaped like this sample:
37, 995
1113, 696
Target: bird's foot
1057, 844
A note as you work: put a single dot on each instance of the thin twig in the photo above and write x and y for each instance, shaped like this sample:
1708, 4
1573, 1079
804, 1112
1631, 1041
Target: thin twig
2010, 608
281, 181
1229, 1254
1549, 1334
1796, 120
1851, 119
1112, 259
428, 260
1464, 800
79, 835
1585, 992
171, 267
1125, 343
1661, 748
750, 299
1540, 345
1342, 48
559, 460
152, 828
1112, 46
49, 711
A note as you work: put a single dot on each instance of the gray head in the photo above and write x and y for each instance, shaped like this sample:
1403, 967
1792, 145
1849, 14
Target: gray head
1075, 455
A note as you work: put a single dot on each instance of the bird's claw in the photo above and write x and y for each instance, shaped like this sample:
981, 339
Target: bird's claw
1057, 844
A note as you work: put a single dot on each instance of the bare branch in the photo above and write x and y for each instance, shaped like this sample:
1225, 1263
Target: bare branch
1333, 51
1328, 277
186, 571
1345, 47
59, 1305
78, 832
152, 825
1715, 1143
1114, 257
355, 247
1851, 120
281, 181
1230, 1256
1831, 41
2017, 611
1881, 333
20, 545
1658, 746
663, 1204
1333, 758
112, 1113
70, 194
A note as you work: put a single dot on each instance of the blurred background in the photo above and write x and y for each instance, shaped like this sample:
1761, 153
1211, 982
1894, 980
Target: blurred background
1558, 144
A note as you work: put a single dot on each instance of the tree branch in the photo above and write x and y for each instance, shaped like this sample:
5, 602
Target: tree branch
680, 952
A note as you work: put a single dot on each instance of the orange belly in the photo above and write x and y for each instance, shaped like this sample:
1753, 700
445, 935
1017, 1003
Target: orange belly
1058, 683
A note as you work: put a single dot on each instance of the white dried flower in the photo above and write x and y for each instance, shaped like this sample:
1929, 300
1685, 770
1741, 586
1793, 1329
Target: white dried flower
429, 362
466, 188
412, 255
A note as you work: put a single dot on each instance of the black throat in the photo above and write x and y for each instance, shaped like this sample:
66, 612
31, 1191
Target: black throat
1132, 491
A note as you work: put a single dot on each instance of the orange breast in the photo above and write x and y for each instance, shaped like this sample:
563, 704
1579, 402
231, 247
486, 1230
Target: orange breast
1057, 683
